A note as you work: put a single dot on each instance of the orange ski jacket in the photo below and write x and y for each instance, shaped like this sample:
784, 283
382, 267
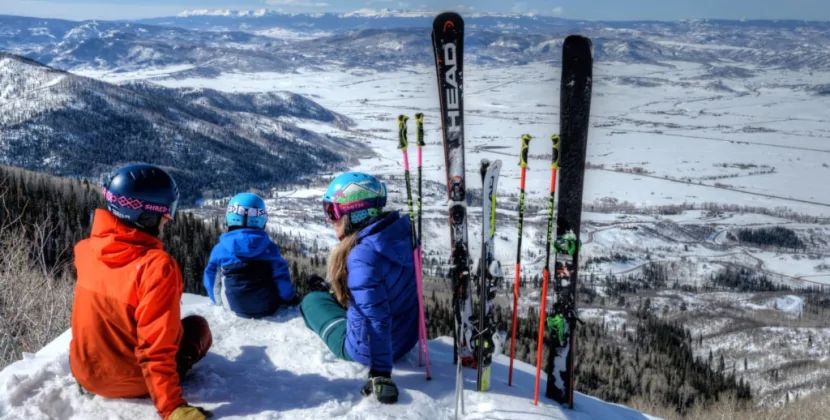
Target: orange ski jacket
126, 324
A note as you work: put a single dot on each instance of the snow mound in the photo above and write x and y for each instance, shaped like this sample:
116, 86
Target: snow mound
790, 304
276, 368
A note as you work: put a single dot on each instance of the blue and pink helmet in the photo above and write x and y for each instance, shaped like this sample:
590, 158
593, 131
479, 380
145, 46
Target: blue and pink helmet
246, 210
356, 194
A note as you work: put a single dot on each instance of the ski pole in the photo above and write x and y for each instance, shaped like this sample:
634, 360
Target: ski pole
419, 120
554, 167
403, 144
424, 353
517, 274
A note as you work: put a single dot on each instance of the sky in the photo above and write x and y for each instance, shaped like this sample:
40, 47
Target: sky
575, 9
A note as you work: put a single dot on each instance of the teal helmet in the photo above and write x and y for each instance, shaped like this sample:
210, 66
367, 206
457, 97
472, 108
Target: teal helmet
246, 210
356, 194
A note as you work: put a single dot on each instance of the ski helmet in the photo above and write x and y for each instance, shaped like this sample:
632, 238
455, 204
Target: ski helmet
141, 195
246, 210
359, 195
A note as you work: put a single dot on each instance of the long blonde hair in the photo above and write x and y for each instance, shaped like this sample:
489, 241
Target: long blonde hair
337, 269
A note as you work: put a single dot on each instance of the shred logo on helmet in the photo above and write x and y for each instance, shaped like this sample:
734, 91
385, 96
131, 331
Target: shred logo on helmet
246, 210
136, 191
359, 195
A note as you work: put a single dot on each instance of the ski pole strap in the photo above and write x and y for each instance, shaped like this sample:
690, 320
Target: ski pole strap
558, 325
525, 145
403, 142
567, 244
492, 232
419, 121
554, 163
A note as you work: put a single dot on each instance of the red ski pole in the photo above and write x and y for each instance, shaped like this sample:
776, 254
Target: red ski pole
554, 167
517, 275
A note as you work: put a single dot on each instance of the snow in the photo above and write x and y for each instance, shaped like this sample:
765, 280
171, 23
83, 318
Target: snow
287, 34
795, 265
790, 304
611, 318
277, 368
307, 193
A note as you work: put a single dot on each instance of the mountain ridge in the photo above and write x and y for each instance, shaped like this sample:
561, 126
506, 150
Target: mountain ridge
64, 124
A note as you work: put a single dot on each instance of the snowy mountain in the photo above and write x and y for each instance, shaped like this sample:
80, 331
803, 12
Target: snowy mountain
225, 41
253, 372
60, 123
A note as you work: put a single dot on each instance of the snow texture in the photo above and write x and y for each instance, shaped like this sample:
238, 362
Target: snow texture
277, 368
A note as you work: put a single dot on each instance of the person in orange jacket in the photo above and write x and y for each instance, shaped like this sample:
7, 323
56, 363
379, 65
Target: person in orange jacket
128, 339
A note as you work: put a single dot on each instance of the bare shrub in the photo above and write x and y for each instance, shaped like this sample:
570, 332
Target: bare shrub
35, 301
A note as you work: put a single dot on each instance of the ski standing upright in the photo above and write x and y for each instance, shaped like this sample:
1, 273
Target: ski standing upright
575, 107
448, 48
489, 275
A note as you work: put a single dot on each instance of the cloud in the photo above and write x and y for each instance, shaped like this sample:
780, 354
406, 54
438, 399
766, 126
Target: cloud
558, 11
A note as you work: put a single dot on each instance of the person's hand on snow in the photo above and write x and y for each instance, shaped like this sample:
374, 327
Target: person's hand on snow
316, 283
380, 384
189, 412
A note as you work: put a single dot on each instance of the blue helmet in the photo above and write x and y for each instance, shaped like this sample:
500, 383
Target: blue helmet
359, 195
141, 194
246, 210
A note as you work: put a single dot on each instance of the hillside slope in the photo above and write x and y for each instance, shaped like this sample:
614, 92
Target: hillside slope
276, 368
57, 122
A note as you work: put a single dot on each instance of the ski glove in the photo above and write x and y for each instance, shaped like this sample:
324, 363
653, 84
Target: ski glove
189, 412
382, 386
316, 283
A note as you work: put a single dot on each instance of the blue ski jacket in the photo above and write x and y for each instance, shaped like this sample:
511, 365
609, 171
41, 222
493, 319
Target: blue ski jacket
382, 318
255, 276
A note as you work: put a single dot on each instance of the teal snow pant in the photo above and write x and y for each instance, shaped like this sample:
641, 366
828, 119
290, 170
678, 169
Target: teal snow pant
324, 316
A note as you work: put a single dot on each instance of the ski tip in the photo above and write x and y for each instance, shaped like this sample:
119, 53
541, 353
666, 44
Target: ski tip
447, 21
485, 163
578, 40
577, 47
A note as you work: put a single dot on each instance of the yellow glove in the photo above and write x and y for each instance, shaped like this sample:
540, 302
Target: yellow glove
187, 412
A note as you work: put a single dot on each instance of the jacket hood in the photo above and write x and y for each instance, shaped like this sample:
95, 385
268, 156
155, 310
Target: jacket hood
117, 244
391, 237
245, 242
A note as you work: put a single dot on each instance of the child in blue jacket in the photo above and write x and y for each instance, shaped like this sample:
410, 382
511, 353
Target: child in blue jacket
253, 277
371, 316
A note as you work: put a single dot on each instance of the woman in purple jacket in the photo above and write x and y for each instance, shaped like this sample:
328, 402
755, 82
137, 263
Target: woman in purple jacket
371, 314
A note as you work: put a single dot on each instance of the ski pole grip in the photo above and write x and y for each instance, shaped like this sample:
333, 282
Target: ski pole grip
483, 170
525, 145
554, 162
419, 121
403, 142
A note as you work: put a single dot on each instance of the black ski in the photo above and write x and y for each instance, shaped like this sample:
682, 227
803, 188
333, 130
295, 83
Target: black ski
575, 107
489, 276
448, 47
